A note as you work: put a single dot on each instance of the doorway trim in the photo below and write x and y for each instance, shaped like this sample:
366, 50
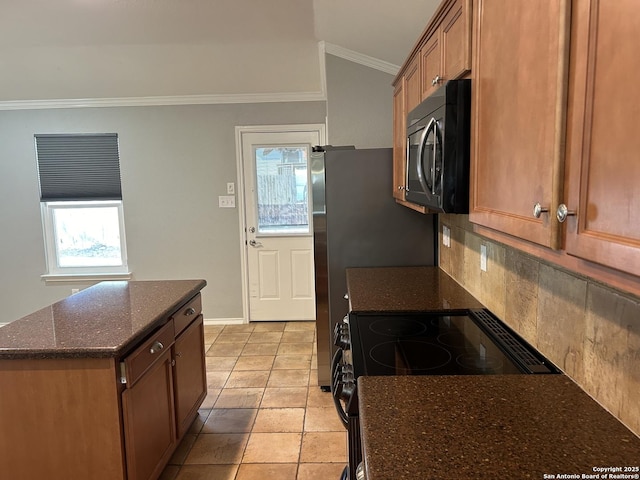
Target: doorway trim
320, 129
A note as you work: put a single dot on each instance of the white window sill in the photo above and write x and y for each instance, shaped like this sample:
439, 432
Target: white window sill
84, 277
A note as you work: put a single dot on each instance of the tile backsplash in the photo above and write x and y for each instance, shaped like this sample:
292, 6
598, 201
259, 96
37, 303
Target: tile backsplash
589, 330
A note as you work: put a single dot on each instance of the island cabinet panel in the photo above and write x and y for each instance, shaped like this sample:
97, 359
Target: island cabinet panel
60, 420
520, 74
190, 380
603, 141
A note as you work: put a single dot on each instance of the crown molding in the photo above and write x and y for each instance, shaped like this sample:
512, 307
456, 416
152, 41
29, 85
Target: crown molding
163, 100
360, 58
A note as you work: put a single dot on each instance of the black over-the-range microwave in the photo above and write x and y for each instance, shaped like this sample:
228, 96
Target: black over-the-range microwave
438, 144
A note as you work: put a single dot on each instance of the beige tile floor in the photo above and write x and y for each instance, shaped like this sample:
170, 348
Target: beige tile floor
264, 417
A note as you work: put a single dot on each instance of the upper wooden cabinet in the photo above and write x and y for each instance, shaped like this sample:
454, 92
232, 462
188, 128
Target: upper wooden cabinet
555, 108
603, 170
442, 53
446, 53
520, 66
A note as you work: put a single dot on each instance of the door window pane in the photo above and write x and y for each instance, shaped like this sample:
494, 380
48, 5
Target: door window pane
282, 182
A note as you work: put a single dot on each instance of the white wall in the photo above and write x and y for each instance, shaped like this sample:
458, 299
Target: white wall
359, 104
175, 161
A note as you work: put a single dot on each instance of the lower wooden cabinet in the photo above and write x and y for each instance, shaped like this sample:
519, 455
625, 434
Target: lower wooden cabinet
165, 384
149, 420
189, 380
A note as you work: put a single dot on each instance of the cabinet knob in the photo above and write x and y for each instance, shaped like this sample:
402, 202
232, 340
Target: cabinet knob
156, 347
563, 212
436, 80
400, 187
189, 311
539, 210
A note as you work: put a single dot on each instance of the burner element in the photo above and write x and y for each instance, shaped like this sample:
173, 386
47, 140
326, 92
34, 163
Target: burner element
410, 356
401, 327
486, 364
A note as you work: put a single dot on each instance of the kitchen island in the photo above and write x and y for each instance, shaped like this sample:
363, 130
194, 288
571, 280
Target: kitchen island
490, 427
103, 384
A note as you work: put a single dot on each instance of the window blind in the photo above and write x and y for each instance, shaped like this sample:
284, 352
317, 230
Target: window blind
78, 167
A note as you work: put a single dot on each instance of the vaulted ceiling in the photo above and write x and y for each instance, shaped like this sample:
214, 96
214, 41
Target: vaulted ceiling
75, 49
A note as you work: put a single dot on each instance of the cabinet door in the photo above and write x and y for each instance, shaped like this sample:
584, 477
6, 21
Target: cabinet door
518, 107
149, 420
399, 142
190, 376
431, 60
603, 140
456, 40
412, 85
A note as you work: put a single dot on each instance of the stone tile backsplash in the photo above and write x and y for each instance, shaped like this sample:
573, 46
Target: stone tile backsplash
590, 331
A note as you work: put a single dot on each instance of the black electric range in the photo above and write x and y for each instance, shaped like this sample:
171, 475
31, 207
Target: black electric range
469, 342
473, 342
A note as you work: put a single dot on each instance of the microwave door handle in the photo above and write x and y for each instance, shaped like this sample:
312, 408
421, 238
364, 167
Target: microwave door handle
435, 152
420, 162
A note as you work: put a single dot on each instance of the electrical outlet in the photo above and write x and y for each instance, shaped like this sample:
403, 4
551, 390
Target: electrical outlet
227, 201
483, 258
446, 236
231, 188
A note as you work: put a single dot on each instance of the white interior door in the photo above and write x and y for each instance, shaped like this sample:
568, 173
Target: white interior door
278, 221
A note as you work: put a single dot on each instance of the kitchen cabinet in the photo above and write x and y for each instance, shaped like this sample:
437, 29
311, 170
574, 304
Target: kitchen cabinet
446, 54
166, 383
190, 381
518, 114
555, 130
103, 384
442, 53
602, 135
148, 406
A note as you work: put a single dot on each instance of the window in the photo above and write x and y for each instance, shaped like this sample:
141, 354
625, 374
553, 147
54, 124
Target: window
282, 182
81, 202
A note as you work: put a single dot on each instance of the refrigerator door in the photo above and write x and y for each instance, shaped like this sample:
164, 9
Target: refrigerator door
357, 223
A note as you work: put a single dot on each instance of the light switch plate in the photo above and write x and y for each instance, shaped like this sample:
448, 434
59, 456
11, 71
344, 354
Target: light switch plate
227, 201
483, 258
231, 188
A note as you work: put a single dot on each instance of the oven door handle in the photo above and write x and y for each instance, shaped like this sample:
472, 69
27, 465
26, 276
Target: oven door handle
335, 393
420, 163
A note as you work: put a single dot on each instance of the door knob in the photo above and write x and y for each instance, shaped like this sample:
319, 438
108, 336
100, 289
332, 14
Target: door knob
539, 210
563, 212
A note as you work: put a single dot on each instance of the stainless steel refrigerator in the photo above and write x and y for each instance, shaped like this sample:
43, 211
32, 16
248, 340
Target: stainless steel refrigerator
357, 223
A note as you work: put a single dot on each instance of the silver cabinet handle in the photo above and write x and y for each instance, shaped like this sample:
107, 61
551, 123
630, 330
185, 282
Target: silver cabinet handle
156, 347
253, 243
189, 311
539, 210
436, 80
563, 212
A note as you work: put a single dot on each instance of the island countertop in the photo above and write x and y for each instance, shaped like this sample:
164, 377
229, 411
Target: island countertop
489, 427
388, 289
104, 320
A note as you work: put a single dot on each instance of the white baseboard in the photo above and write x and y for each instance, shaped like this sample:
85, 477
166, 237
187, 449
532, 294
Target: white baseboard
224, 321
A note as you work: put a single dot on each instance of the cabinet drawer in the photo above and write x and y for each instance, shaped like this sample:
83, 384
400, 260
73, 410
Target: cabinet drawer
183, 317
146, 354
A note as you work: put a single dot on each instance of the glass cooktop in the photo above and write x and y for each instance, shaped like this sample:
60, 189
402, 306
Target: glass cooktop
472, 343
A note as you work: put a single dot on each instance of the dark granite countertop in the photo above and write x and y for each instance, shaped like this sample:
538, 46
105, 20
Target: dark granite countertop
488, 427
101, 321
388, 289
